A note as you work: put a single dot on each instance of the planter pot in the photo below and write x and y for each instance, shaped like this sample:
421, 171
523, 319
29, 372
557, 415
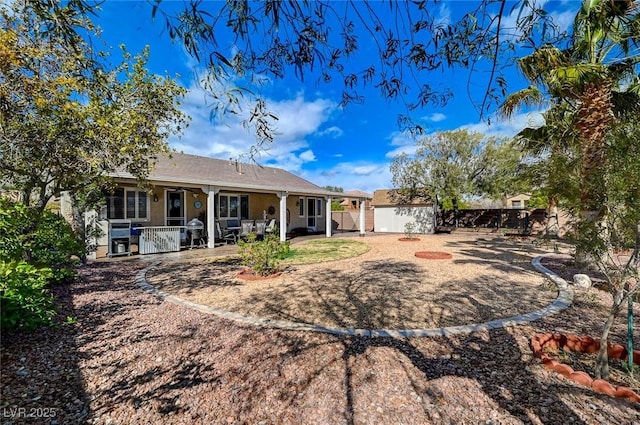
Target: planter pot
582, 344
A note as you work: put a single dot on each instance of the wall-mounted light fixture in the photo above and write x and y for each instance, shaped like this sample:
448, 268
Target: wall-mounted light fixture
297, 203
155, 197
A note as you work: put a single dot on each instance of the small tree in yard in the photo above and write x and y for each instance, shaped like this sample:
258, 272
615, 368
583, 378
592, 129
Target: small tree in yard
263, 256
456, 165
616, 251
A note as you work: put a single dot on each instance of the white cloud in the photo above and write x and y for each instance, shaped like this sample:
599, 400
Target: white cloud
562, 18
509, 127
436, 117
332, 132
228, 138
358, 175
403, 143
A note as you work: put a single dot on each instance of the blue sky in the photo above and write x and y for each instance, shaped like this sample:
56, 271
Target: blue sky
317, 139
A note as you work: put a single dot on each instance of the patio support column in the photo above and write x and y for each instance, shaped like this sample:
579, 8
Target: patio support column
283, 215
211, 214
329, 223
361, 226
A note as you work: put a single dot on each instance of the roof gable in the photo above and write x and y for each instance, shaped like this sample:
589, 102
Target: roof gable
187, 169
393, 197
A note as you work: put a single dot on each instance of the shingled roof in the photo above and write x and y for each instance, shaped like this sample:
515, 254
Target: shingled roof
391, 198
185, 169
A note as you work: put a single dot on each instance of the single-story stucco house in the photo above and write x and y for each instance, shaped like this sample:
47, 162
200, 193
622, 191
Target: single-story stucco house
184, 187
391, 213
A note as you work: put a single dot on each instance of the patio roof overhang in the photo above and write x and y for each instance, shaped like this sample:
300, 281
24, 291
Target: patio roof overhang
204, 184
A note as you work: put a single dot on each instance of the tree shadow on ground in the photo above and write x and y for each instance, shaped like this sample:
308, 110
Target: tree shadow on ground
40, 373
508, 255
149, 361
395, 294
475, 358
192, 276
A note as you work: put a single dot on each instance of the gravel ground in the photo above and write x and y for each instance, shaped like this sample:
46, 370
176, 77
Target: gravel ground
387, 287
133, 359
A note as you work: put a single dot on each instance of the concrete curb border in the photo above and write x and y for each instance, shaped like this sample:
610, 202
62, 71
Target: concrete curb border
563, 301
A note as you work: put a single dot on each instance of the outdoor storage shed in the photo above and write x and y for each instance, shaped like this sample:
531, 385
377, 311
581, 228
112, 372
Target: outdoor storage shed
391, 212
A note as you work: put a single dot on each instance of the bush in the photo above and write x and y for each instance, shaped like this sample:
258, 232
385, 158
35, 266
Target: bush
263, 257
41, 238
25, 303
409, 230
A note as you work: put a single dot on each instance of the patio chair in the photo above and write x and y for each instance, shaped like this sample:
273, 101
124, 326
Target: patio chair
261, 227
225, 236
271, 227
247, 228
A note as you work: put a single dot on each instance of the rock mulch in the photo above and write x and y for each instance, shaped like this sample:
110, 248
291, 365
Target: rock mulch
131, 358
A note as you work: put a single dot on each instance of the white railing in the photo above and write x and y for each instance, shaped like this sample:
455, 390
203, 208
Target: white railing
157, 239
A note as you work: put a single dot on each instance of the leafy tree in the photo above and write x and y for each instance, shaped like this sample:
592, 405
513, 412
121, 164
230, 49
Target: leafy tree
596, 78
457, 165
244, 44
616, 252
551, 162
594, 83
66, 119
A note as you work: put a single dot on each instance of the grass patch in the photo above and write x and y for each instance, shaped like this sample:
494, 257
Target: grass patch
322, 250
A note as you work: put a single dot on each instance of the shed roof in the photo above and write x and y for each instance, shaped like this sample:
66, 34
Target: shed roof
356, 194
185, 169
392, 197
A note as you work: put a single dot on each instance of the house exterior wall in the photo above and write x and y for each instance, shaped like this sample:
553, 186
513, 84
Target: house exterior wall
392, 219
519, 201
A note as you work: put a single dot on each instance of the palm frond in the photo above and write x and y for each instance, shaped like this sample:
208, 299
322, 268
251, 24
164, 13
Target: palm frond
531, 96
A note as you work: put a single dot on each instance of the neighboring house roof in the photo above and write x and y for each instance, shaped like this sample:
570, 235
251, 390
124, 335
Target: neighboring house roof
185, 169
391, 198
356, 194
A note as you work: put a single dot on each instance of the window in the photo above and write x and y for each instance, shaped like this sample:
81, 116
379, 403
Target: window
233, 206
318, 207
301, 206
516, 204
130, 204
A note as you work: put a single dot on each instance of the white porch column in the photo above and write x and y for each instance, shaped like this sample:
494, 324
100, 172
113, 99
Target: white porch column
362, 204
283, 215
211, 214
329, 223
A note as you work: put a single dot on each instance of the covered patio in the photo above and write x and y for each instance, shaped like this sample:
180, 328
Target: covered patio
222, 194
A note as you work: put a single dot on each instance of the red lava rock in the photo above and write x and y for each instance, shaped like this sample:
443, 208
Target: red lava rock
585, 344
573, 343
550, 363
563, 369
628, 393
581, 378
591, 348
433, 255
617, 351
603, 386
535, 347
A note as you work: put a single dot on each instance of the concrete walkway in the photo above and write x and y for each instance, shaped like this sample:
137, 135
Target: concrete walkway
564, 300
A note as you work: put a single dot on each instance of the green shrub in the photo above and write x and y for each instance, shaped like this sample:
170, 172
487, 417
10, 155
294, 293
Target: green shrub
263, 256
43, 239
409, 230
25, 302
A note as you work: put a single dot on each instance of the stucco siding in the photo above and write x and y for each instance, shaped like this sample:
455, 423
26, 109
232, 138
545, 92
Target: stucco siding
394, 219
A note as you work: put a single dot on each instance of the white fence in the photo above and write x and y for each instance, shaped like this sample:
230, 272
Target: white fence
157, 239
